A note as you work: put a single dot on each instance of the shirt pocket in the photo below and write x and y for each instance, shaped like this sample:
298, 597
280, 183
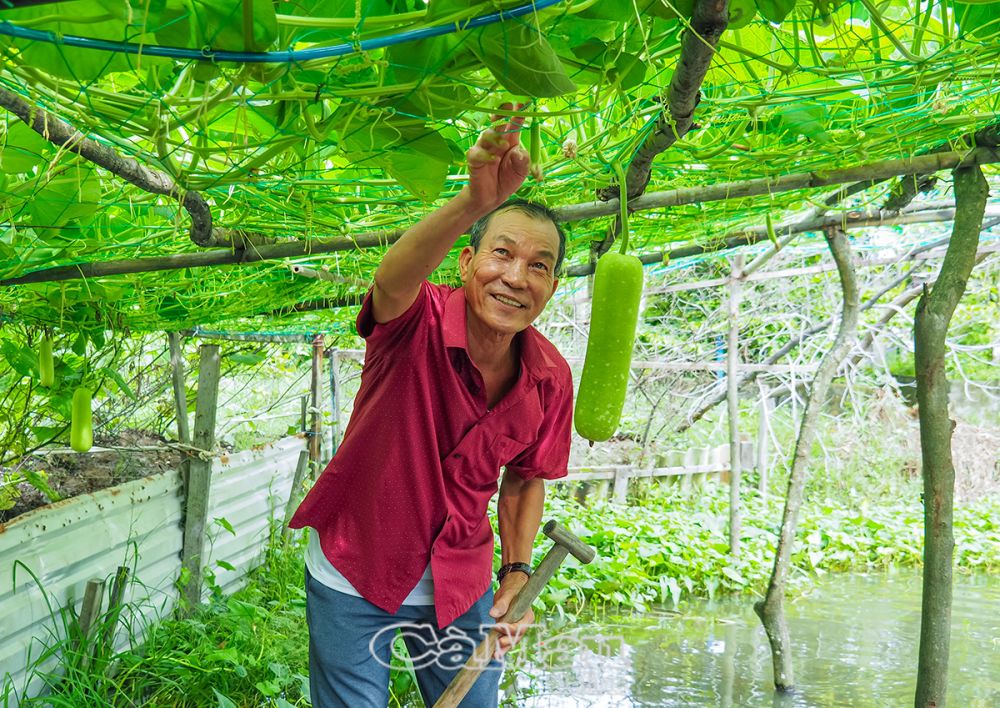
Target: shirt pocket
506, 449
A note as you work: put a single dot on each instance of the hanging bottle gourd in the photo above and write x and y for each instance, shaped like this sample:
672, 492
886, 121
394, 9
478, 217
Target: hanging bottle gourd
81, 433
46, 365
613, 318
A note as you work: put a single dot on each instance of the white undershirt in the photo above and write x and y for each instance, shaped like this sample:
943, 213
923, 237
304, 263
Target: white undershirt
322, 570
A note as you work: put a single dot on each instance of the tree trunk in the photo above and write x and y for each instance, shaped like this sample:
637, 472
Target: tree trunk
930, 327
771, 609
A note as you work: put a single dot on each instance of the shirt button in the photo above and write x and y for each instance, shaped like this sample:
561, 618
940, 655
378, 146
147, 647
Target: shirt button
457, 456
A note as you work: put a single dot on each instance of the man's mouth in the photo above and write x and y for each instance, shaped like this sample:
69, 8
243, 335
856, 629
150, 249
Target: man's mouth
510, 302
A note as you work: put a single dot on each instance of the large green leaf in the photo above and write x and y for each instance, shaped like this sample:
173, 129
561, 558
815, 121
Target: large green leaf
329, 8
23, 148
413, 154
775, 10
521, 59
215, 24
77, 18
978, 19
741, 12
69, 192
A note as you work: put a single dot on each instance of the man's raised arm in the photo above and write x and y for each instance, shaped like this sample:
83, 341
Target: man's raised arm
498, 166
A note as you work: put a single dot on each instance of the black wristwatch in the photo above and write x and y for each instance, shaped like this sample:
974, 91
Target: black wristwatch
511, 567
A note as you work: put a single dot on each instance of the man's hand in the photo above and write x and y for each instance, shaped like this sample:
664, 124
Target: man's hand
498, 165
510, 632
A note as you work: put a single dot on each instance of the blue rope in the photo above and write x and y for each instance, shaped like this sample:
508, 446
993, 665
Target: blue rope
290, 56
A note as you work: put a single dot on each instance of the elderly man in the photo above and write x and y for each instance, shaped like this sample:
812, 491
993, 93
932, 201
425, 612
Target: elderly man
456, 384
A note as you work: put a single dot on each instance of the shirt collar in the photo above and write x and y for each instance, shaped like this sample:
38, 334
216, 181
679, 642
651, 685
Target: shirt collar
534, 359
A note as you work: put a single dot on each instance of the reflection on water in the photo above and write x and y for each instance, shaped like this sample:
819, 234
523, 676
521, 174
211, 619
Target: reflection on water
855, 639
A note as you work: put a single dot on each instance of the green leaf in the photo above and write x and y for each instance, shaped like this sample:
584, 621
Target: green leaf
421, 165
629, 71
805, 119
521, 59
217, 24
775, 10
741, 12
67, 192
224, 523
248, 358
23, 148
223, 700
81, 65
22, 361
734, 575
225, 564
978, 19
413, 154
329, 8
120, 382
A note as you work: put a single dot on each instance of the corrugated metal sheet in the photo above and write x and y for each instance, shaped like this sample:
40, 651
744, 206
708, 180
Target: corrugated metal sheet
68, 543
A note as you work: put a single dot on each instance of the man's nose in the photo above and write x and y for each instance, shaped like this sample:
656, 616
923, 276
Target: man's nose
516, 273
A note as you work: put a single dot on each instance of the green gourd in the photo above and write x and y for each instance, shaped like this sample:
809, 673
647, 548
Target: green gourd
46, 366
535, 150
81, 433
614, 314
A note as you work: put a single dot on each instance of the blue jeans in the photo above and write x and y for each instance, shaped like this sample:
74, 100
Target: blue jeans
350, 649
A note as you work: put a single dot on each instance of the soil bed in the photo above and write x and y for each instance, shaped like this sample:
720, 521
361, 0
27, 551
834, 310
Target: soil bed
70, 474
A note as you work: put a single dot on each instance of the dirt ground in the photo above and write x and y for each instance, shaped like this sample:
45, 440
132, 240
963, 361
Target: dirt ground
71, 474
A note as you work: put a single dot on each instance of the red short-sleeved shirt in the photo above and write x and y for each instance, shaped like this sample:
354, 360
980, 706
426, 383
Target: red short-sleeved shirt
421, 456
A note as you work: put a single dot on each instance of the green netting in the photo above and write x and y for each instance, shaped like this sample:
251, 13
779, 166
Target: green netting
371, 140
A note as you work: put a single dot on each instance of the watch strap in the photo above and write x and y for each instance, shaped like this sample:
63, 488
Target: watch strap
511, 567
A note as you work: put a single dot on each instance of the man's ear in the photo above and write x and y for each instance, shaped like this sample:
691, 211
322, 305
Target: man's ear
555, 284
464, 262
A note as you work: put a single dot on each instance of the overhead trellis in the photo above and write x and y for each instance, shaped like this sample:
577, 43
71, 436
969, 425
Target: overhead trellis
345, 119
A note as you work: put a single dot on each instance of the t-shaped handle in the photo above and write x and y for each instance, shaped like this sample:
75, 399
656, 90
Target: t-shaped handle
561, 535
565, 543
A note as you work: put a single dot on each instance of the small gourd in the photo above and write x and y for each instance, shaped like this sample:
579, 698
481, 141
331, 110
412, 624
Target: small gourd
46, 365
81, 432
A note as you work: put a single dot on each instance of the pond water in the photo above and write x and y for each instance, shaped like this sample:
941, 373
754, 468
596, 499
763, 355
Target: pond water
855, 640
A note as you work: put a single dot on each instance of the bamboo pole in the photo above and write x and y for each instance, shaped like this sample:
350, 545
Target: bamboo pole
733, 403
763, 436
315, 392
589, 210
180, 392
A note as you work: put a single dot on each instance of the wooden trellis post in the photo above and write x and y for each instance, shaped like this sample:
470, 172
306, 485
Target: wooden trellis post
315, 392
763, 436
199, 479
180, 394
335, 426
733, 403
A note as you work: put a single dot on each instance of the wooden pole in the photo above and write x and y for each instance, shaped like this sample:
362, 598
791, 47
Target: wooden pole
334, 362
180, 392
200, 475
733, 403
295, 496
315, 392
763, 436
91, 609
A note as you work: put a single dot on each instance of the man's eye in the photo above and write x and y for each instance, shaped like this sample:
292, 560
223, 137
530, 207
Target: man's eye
540, 266
501, 251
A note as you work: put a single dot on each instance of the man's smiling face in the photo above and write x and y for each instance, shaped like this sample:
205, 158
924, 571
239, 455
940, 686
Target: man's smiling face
509, 280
